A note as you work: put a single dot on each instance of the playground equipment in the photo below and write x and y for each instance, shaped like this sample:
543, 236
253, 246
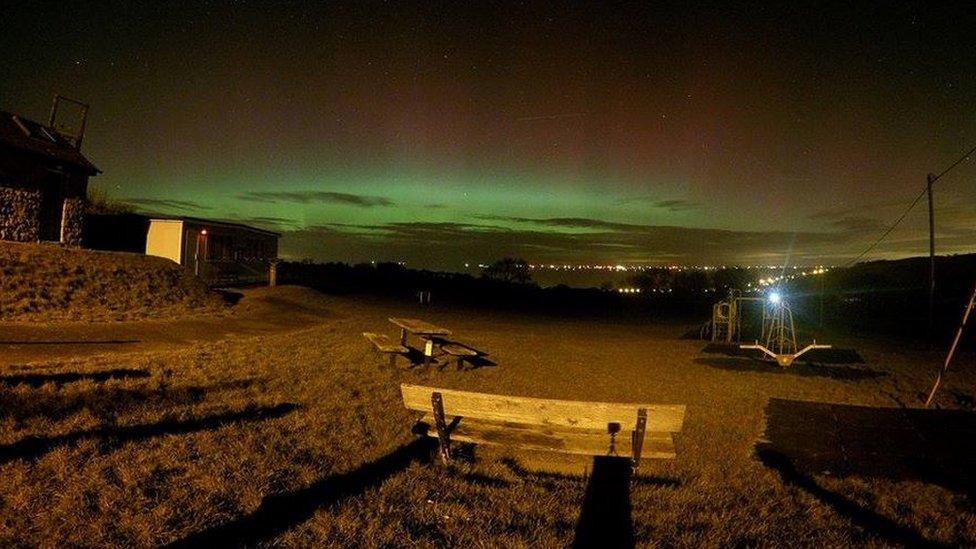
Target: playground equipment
726, 324
778, 330
785, 360
952, 349
779, 333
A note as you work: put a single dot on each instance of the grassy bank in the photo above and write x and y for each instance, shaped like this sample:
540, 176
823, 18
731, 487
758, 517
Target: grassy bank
46, 282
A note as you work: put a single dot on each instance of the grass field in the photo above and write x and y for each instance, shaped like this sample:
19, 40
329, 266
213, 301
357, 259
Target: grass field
299, 438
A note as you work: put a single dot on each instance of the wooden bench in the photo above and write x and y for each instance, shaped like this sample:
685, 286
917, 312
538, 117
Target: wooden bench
636, 431
384, 345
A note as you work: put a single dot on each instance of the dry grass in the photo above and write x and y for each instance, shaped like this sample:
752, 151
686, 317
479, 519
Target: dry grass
300, 439
45, 282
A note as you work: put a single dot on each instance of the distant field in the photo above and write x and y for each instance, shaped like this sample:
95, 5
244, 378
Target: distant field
48, 282
299, 438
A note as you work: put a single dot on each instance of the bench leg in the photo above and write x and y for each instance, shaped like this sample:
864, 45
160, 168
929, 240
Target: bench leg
403, 336
637, 436
443, 437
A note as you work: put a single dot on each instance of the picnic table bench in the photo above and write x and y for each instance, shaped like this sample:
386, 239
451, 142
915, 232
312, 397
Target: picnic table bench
433, 336
637, 431
455, 349
384, 345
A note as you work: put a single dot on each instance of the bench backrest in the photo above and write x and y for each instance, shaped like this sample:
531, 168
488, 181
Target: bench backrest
543, 411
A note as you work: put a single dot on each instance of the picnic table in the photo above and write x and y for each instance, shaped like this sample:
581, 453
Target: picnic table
430, 333
418, 327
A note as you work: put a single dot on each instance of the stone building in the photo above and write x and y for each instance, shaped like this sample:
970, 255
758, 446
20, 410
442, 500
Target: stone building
43, 183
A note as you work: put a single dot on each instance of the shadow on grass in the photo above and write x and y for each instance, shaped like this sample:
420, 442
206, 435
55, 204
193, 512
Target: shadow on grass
230, 297
605, 519
36, 380
280, 512
482, 479
31, 447
416, 358
476, 362
695, 332
933, 446
69, 341
814, 438
873, 522
802, 369
107, 403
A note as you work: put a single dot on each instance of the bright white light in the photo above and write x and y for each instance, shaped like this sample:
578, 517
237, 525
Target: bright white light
775, 298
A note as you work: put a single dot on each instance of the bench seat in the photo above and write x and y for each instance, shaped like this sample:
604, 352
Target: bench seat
521, 436
635, 431
455, 349
383, 344
458, 350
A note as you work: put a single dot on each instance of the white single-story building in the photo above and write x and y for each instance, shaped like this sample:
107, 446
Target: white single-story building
217, 251
214, 250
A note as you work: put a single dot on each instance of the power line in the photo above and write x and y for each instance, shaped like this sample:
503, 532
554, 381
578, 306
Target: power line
954, 164
911, 206
888, 230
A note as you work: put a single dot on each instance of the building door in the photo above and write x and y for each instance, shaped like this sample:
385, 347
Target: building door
196, 252
52, 206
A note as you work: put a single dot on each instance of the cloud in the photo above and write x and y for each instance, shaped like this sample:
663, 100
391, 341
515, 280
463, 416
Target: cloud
672, 205
268, 221
857, 223
322, 197
448, 245
551, 116
677, 205
846, 210
563, 222
164, 203
852, 218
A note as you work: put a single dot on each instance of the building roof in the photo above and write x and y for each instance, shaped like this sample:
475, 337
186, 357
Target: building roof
30, 136
211, 222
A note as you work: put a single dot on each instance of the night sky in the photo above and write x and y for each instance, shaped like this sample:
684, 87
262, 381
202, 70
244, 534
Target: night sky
444, 133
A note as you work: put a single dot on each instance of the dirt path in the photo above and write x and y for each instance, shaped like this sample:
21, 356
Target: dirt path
259, 311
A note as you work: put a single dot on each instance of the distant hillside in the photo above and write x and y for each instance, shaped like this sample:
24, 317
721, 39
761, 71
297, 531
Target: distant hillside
888, 296
955, 274
44, 282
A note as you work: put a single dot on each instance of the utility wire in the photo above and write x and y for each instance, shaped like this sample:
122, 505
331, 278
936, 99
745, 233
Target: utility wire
887, 231
954, 164
911, 206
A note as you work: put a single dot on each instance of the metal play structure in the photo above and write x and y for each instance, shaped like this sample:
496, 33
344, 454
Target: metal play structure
786, 359
779, 333
952, 348
726, 324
